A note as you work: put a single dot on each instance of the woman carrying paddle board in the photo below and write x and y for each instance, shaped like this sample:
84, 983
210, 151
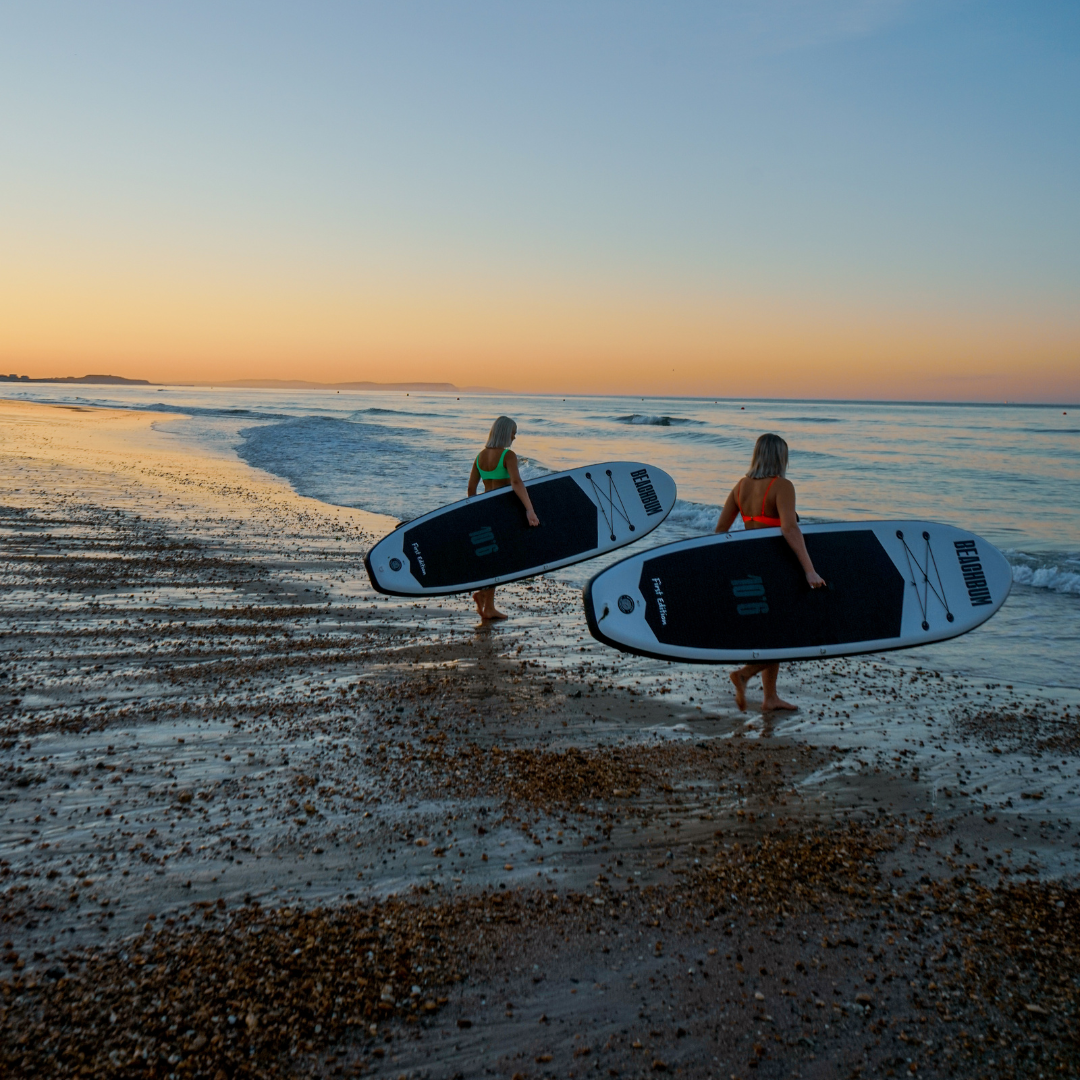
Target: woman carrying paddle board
765, 489
497, 466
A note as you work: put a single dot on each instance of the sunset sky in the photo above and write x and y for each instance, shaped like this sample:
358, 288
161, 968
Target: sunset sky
824, 198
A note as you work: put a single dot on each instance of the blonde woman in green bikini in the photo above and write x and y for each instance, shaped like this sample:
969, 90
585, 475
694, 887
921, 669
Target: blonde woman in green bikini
497, 466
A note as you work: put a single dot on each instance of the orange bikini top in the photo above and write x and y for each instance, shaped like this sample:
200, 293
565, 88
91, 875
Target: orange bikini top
760, 519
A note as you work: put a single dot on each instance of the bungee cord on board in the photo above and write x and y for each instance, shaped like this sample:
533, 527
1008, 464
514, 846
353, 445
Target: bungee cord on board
620, 511
928, 561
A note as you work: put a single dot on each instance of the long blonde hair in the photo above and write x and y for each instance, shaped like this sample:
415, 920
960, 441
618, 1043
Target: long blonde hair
770, 457
501, 434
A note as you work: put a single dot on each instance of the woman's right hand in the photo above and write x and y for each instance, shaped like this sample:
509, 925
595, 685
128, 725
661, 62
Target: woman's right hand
531, 515
815, 580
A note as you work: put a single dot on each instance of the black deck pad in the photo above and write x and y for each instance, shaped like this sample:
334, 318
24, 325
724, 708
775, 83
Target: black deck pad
493, 538
754, 595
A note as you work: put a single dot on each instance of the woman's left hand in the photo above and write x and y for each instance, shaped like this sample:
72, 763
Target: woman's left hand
815, 580
531, 515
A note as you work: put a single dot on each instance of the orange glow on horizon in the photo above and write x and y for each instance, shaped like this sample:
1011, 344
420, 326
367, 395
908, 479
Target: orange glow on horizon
539, 339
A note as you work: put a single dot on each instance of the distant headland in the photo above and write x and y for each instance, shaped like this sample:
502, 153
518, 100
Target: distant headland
106, 380
266, 384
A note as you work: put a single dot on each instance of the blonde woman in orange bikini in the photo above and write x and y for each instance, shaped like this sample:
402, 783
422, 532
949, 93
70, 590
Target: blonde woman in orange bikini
497, 466
766, 489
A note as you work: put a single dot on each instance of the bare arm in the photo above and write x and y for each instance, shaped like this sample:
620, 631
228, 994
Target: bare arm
474, 480
516, 483
728, 514
789, 526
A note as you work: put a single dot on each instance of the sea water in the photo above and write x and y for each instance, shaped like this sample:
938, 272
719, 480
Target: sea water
1010, 473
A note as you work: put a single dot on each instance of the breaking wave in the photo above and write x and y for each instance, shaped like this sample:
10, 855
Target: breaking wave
355, 464
696, 518
1059, 574
389, 412
165, 407
655, 421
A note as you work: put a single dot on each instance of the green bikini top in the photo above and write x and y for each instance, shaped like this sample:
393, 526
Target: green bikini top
498, 473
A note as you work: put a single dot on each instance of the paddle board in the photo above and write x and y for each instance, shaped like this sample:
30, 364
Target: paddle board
739, 597
487, 540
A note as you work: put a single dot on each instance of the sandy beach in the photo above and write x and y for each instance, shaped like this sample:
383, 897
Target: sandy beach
259, 820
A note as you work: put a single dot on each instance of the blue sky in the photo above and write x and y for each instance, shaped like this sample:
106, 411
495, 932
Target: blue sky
880, 155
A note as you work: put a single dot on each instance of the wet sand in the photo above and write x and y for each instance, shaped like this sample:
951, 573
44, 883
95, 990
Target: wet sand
259, 820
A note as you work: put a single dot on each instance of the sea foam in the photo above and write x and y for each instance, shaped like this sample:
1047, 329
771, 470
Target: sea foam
655, 420
1042, 573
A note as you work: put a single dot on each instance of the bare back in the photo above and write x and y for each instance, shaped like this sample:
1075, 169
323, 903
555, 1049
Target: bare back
757, 498
489, 458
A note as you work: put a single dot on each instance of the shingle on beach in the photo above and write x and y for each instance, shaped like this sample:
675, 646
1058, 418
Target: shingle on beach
259, 821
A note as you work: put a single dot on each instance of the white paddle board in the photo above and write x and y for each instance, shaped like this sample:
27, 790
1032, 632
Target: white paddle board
740, 597
487, 540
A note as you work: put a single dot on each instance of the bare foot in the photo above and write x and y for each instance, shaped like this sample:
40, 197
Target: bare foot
493, 614
479, 601
774, 702
739, 681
